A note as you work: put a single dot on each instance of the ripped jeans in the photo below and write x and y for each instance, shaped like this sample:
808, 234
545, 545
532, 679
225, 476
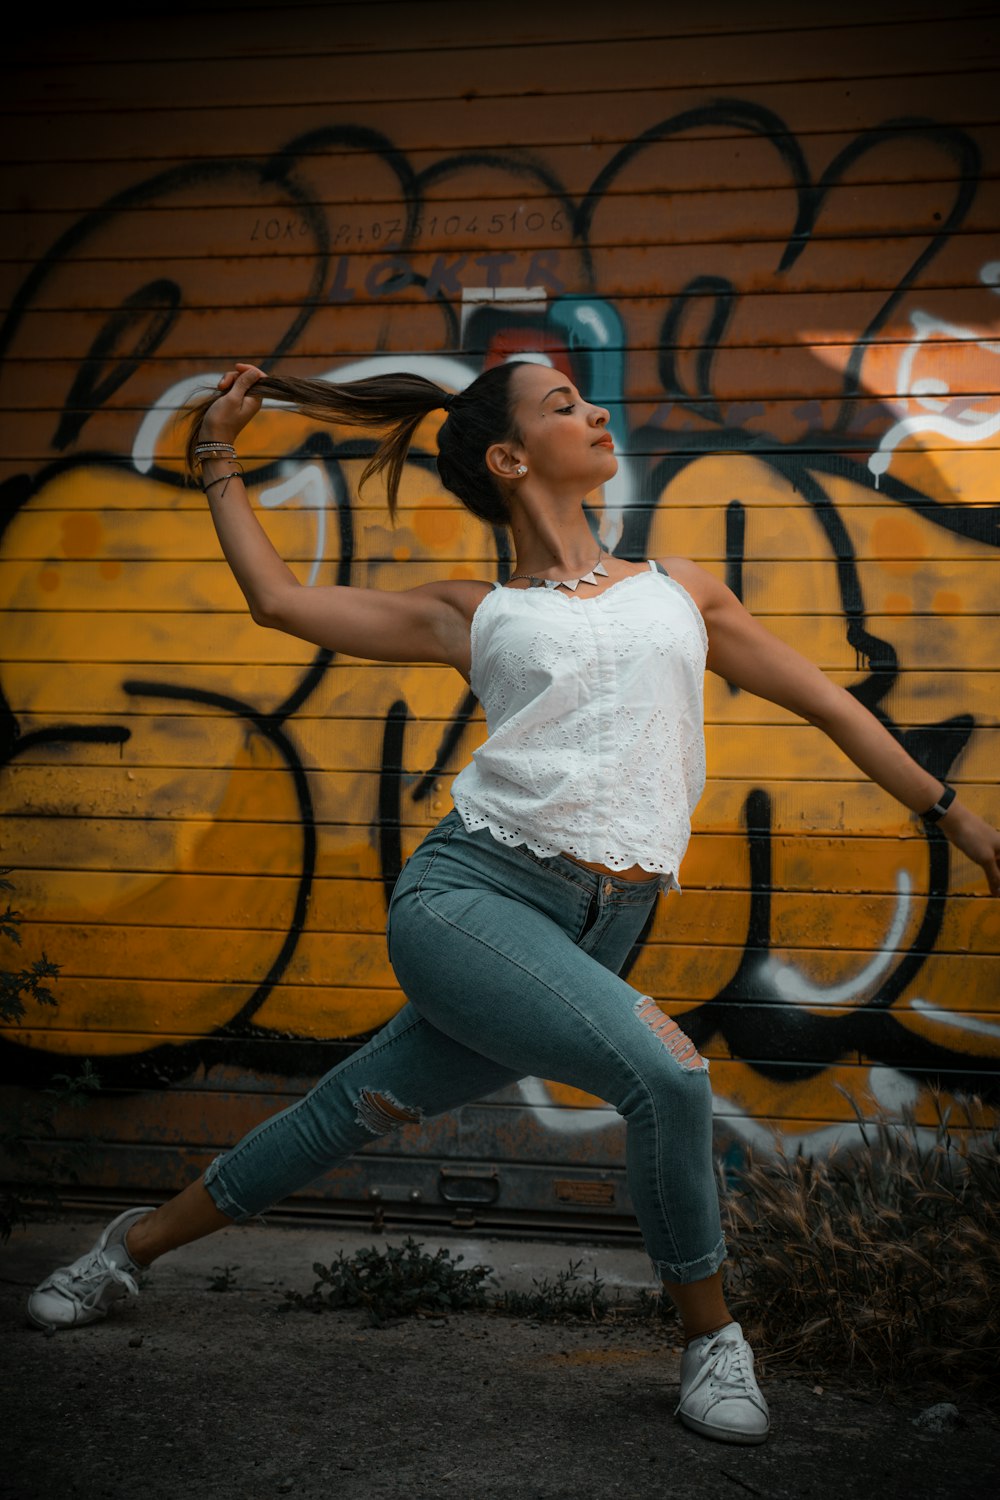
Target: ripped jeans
510, 965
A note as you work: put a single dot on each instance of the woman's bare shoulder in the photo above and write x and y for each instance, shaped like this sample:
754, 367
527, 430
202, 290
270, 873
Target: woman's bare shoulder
700, 584
463, 595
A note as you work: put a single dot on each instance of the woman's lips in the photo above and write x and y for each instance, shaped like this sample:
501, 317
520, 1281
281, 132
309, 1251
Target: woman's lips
605, 442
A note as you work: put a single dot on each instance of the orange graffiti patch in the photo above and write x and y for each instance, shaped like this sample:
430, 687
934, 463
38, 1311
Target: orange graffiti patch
81, 533
898, 545
898, 604
572, 1098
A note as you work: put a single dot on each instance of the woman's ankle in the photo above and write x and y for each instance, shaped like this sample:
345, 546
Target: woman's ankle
701, 1305
700, 1333
135, 1246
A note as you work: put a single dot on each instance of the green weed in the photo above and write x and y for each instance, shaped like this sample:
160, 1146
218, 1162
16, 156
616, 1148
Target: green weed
397, 1282
570, 1295
16, 985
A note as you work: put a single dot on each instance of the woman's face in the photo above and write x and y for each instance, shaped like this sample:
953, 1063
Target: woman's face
564, 439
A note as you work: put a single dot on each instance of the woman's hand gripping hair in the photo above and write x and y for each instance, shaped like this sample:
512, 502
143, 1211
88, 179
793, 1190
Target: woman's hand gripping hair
230, 412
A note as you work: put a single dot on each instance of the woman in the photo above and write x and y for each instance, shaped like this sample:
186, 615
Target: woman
510, 923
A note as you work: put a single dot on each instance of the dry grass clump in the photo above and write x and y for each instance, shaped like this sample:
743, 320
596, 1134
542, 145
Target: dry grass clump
884, 1258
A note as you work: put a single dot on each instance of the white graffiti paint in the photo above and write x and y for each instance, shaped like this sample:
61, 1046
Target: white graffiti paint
769, 1140
939, 414
310, 486
530, 357
163, 412
892, 1090
525, 299
790, 984
977, 1024
445, 370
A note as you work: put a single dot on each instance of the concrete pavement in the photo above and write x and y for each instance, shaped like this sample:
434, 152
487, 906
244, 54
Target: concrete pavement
190, 1392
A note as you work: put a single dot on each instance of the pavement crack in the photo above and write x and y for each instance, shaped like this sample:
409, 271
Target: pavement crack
753, 1490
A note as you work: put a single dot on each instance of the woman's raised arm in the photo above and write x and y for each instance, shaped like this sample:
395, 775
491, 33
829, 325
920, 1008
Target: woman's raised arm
750, 657
429, 623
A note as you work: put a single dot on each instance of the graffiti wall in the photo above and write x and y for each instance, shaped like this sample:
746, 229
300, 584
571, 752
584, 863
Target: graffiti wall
774, 254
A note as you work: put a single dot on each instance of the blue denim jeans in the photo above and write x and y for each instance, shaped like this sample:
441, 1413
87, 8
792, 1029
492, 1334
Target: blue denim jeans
510, 966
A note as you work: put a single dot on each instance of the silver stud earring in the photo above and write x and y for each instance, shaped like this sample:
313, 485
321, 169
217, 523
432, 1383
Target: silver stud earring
521, 469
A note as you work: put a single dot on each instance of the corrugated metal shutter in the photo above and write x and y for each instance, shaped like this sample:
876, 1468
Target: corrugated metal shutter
768, 241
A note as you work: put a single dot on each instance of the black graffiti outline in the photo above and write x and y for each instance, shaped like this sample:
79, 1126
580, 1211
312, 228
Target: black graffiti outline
805, 1044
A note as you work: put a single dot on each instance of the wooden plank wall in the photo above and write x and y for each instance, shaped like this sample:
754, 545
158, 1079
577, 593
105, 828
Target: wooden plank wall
770, 246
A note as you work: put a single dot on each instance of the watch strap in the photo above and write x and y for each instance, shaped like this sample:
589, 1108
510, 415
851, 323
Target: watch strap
936, 813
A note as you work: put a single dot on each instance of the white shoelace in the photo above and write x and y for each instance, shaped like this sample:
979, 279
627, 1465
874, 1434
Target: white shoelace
727, 1364
95, 1268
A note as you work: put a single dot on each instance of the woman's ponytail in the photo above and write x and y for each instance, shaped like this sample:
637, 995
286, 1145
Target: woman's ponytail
396, 404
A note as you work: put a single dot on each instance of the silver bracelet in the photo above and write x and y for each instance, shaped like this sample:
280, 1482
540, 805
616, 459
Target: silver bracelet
204, 451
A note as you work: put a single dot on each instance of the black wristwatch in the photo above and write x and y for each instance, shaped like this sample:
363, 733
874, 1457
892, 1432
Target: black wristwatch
936, 813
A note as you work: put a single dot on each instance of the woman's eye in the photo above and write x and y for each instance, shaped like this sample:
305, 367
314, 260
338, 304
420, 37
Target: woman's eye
562, 411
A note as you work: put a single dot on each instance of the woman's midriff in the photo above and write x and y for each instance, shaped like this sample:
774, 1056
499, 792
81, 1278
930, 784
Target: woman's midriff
634, 872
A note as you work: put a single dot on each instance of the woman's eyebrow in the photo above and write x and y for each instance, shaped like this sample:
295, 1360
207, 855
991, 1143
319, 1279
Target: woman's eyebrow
557, 390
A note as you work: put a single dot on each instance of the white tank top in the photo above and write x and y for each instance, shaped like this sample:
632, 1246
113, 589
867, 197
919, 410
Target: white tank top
595, 713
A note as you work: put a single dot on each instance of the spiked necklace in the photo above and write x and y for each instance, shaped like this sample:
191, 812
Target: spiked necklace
597, 571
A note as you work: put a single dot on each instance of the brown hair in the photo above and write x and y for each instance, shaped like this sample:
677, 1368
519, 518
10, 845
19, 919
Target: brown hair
477, 417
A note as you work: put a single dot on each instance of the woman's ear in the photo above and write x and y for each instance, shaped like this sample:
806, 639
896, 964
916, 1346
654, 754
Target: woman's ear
503, 462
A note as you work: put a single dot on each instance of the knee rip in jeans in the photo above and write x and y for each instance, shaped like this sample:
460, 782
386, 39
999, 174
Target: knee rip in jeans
379, 1111
681, 1048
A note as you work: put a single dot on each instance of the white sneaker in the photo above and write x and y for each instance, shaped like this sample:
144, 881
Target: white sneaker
83, 1292
720, 1397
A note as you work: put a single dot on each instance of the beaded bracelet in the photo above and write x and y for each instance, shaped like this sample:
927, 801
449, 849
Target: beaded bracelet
202, 452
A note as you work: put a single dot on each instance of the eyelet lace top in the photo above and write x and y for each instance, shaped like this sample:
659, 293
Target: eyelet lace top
595, 714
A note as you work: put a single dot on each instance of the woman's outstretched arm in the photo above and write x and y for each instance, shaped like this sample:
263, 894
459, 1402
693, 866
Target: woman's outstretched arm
750, 657
429, 623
